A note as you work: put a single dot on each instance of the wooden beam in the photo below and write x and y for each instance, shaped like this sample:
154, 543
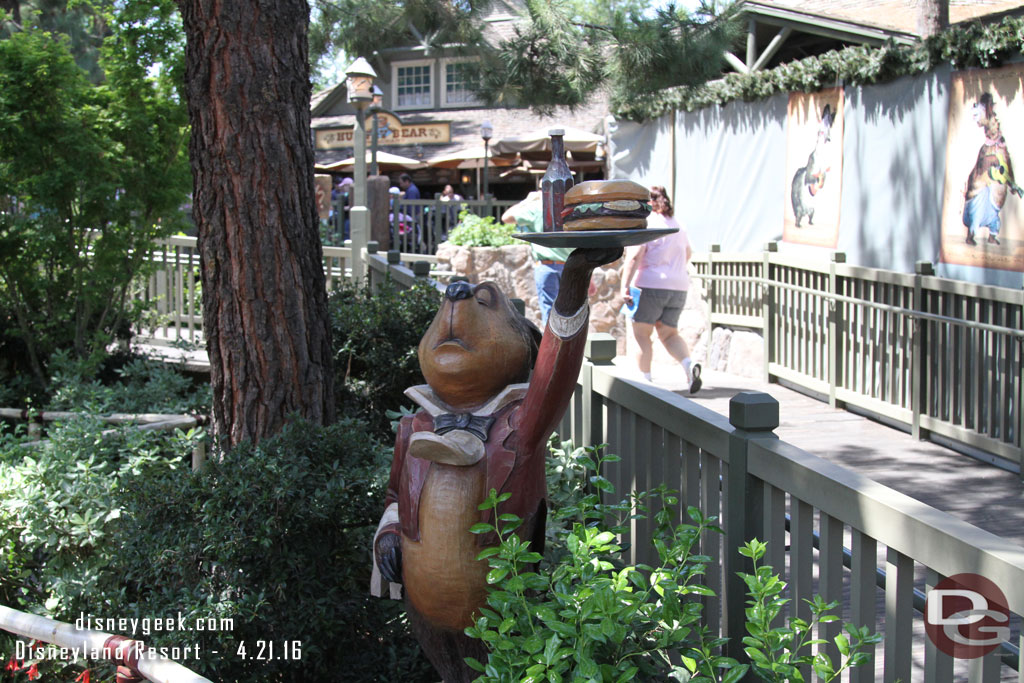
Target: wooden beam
772, 48
751, 42
735, 62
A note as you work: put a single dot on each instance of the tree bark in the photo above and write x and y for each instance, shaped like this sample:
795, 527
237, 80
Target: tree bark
264, 294
932, 17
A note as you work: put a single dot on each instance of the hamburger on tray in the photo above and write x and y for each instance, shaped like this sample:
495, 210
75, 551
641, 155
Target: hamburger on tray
601, 213
606, 205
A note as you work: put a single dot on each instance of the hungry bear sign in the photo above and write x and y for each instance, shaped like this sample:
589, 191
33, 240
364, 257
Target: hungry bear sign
390, 131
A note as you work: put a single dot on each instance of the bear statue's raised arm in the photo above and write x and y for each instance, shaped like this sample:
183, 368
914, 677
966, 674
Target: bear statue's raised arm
554, 376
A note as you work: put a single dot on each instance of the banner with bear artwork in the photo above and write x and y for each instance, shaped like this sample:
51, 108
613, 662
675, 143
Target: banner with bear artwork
983, 204
814, 167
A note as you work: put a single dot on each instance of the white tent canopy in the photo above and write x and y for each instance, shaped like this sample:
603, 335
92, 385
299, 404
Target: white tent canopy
576, 140
383, 159
471, 157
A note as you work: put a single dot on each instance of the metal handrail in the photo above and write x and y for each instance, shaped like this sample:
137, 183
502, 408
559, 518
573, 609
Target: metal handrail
92, 644
909, 312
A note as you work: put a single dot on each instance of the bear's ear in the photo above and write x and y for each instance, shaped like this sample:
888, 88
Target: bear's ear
535, 336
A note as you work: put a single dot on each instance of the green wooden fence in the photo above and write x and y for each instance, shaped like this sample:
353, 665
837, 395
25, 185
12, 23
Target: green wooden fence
829, 531
941, 357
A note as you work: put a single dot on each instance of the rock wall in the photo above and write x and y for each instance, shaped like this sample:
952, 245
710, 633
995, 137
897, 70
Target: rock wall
735, 351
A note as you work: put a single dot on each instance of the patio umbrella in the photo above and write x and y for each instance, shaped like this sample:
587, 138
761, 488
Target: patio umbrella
386, 161
470, 157
576, 140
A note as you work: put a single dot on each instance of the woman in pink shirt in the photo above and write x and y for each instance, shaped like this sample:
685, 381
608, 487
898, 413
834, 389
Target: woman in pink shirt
661, 277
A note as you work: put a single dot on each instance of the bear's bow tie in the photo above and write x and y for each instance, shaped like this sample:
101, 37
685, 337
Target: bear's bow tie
477, 425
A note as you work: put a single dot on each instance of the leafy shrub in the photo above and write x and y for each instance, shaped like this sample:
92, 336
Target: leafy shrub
278, 538
61, 508
92, 175
375, 336
582, 614
474, 231
142, 385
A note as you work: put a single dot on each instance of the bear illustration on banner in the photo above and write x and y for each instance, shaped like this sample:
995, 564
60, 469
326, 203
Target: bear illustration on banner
983, 208
814, 163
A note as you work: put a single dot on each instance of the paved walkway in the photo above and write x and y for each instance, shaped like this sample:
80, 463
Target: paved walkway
982, 494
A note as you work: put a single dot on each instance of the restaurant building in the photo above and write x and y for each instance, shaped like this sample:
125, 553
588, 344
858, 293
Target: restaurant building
429, 115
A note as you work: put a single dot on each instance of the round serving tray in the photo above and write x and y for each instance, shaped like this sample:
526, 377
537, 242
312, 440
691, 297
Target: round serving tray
594, 238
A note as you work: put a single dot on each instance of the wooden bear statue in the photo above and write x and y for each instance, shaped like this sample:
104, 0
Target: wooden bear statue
484, 422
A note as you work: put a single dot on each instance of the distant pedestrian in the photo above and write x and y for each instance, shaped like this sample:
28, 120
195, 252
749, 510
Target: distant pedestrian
548, 261
408, 187
451, 214
662, 280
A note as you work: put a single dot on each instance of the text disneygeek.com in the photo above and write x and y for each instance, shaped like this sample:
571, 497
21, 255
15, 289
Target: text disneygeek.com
148, 625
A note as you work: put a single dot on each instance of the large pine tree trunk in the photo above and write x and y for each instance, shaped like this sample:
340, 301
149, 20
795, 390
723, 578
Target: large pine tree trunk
264, 296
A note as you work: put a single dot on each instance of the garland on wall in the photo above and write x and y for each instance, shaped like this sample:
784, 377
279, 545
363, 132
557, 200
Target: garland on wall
970, 45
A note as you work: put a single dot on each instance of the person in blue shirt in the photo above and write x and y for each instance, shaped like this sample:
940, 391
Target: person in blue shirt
408, 186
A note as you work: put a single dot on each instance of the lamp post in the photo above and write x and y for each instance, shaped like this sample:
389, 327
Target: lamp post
378, 98
359, 83
486, 131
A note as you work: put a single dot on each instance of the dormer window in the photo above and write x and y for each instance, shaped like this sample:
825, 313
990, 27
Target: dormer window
413, 83
458, 84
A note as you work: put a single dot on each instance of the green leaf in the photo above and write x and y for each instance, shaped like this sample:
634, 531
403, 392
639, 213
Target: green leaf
496, 575
735, 674
551, 649
843, 644
488, 552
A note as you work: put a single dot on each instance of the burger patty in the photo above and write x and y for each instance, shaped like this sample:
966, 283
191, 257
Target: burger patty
622, 208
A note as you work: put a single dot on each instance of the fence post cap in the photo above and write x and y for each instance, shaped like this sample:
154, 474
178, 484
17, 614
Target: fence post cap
715, 248
372, 247
518, 304
394, 256
754, 411
601, 348
838, 257
421, 268
771, 246
924, 268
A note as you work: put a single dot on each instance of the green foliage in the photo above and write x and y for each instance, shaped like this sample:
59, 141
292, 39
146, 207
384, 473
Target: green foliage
580, 613
276, 536
474, 231
142, 385
777, 653
548, 60
559, 55
969, 45
92, 175
375, 336
585, 615
356, 27
62, 508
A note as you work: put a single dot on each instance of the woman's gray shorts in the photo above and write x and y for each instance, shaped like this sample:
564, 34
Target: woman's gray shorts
659, 305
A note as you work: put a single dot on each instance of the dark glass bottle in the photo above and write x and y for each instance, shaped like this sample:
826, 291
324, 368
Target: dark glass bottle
555, 182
